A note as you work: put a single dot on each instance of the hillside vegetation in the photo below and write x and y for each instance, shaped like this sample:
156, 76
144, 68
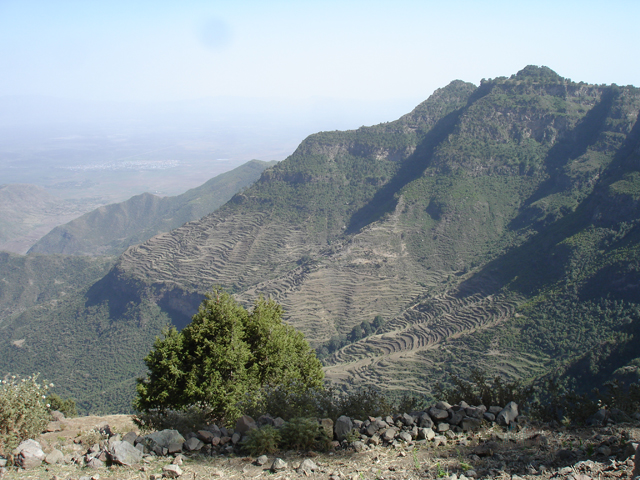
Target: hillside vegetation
496, 226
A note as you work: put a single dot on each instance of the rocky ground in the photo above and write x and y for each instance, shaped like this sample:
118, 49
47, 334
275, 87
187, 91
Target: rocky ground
523, 452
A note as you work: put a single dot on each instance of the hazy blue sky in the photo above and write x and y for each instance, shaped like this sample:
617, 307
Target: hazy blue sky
185, 49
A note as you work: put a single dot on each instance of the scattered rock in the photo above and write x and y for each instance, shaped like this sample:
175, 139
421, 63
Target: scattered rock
55, 456
508, 414
123, 453
308, 466
278, 465
29, 455
244, 424
194, 444
171, 471
261, 460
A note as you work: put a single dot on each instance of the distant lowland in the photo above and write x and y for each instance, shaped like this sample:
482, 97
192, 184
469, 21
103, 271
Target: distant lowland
494, 226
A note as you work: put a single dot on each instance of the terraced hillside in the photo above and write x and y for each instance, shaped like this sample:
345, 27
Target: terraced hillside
110, 229
481, 227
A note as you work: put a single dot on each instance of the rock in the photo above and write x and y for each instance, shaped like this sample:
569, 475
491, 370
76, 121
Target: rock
130, 437
424, 420
123, 453
455, 418
599, 418
171, 440
439, 440
476, 412
405, 437
262, 459
171, 471
495, 409
619, 416
471, 474
489, 417
438, 414
278, 465
358, 446
342, 427
55, 456
235, 438
57, 416
469, 423
326, 424
604, 450
565, 471
178, 460
278, 422
389, 434
426, 434
214, 429
508, 414
265, 420
194, 444
205, 436
636, 469
443, 405
375, 440
407, 419
442, 427
95, 463
29, 455
244, 424
629, 450
307, 466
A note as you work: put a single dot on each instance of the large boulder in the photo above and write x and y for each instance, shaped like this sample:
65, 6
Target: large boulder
342, 427
123, 453
164, 441
508, 414
29, 455
244, 424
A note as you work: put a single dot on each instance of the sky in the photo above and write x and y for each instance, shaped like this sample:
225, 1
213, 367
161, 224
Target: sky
150, 51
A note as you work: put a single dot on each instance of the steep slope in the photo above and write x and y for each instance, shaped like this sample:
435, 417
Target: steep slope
493, 226
109, 230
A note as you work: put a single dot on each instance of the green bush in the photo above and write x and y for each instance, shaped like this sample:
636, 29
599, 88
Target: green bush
304, 434
66, 407
23, 410
224, 355
262, 441
190, 419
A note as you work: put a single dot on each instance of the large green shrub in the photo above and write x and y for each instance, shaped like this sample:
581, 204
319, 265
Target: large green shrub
224, 355
23, 410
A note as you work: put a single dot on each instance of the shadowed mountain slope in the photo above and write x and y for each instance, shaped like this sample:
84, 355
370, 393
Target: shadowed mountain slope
109, 230
493, 226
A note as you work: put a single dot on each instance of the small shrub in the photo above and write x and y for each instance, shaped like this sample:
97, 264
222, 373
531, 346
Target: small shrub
364, 403
261, 441
303, 434
23, 410
66, 407
189, 420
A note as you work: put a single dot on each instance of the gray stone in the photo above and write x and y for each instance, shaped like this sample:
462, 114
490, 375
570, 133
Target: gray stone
604, 450
438, 414
178, 460
171, 471
389, 434
469, 423
599, 418
414, 433
55, 456
426, 434
214, 429
244, 424
456, 418
95, 463
278, 465
164, 439
636, 469
130, 437
443, 406
405, 437
123, 453
475, 412
235, 438
193, 444
174, 448
262, 459
375, 440
57, 416
407, 419
278, 422
424, 420
358, 446
508, 414
439, 440
308, 466
442, 427
29, 455
205, 436
489, 417
342, 427
494, 409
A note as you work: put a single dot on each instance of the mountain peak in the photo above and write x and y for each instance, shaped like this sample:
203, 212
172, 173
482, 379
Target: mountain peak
538, 74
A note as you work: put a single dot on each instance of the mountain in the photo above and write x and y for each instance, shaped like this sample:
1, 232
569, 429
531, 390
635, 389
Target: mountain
495, 225
109, 230
27, 212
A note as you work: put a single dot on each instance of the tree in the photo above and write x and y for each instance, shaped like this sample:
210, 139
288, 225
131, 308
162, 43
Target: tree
224, 354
